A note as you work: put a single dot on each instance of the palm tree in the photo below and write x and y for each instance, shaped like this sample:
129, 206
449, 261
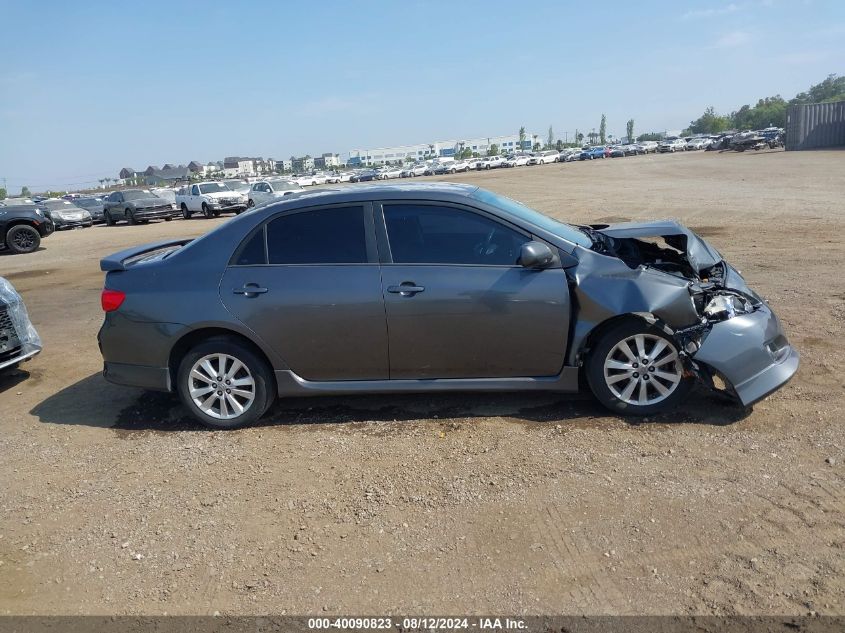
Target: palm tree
101, 181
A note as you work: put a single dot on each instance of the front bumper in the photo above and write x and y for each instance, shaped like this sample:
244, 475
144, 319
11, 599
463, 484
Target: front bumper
25, 352
71, 224
751, 352
155, 214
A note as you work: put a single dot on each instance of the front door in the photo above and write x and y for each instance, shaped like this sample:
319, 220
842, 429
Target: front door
314, 294
459, 305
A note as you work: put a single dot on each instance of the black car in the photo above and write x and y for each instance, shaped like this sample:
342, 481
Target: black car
364, 176
65, 214
137, 206
422, 288
94, 206
22, 227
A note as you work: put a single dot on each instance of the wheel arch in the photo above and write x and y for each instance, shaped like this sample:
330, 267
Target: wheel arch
594, 335
195, 337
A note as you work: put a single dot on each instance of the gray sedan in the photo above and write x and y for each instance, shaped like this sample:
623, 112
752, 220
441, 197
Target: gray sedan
426, 288
137, 206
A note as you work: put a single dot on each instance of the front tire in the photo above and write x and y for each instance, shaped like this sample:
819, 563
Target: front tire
23, 239
224, 384
635, 369
131, 217
205, 210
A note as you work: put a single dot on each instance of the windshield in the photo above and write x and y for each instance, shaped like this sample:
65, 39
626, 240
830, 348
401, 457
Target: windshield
57, 204
213, 187
137, 195
282, 185
566, 231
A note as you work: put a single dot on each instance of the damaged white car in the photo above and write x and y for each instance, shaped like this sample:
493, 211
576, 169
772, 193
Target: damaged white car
18, 339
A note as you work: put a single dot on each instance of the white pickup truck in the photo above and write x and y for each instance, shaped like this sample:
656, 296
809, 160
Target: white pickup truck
209, 198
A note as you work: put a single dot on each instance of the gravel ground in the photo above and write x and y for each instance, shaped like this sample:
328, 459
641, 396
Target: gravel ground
113, 502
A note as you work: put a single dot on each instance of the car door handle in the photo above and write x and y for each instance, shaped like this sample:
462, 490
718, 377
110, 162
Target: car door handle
406, 289
250, 290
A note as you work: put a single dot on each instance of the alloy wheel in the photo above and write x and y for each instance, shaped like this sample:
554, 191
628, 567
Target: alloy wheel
643, 369
221, 386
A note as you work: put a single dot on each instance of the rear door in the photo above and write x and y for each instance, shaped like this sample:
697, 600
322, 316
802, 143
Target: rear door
458, 303
308, 283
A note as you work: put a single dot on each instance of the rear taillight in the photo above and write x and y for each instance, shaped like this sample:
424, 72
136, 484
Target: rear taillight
111, 300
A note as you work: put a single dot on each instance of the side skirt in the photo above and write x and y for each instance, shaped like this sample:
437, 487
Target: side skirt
289, 384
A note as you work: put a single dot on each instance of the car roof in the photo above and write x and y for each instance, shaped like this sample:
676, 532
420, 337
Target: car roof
372, 192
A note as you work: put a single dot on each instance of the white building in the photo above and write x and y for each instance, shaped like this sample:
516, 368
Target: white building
438, 149
327, 161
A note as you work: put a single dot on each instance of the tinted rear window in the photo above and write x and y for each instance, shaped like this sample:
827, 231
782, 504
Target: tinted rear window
322, 236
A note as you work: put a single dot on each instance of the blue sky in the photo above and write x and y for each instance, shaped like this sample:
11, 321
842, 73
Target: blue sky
89, 87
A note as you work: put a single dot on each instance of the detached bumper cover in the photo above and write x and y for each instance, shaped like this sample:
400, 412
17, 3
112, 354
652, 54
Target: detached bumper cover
752, 353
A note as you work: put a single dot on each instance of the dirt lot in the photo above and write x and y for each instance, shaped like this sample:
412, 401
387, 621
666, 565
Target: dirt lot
113, 502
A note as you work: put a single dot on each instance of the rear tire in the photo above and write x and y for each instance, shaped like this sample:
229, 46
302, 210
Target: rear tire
109, 220
634, 369
23, 239
168, 219
185, 213
251, 384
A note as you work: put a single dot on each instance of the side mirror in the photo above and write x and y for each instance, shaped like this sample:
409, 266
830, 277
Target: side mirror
535, 255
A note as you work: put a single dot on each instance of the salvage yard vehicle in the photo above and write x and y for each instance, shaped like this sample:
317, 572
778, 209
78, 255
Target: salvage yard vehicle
22, 227
93, 205
209, 198
544, 157
65, 214
672, 145
600, 151
437, 287
19, 341
137, 206
271, 189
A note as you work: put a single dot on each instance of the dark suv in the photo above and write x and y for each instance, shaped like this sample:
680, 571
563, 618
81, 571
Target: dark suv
137, 206
22, 227
421, 288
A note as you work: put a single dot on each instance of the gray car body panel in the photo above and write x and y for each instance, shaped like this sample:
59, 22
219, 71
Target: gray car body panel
191, 289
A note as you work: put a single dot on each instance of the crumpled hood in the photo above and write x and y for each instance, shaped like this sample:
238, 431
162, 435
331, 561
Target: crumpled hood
700, 254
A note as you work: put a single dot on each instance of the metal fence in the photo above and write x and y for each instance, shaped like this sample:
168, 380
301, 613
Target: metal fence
815, 125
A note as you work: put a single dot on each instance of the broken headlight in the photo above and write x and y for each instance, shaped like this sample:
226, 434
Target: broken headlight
722, 307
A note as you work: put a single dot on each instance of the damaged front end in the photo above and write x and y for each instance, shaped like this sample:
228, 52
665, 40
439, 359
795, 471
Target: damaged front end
18, 339
671, 277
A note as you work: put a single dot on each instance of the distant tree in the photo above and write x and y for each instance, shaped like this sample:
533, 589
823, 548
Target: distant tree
710, 123
467, 153
629, 128
592, 136
559, 145
579, 137
550, 138
536, 147
831, 89
2, 193
650, 136
768, 111
493, 150
522, 137
603, 129
536, 140
25, 192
